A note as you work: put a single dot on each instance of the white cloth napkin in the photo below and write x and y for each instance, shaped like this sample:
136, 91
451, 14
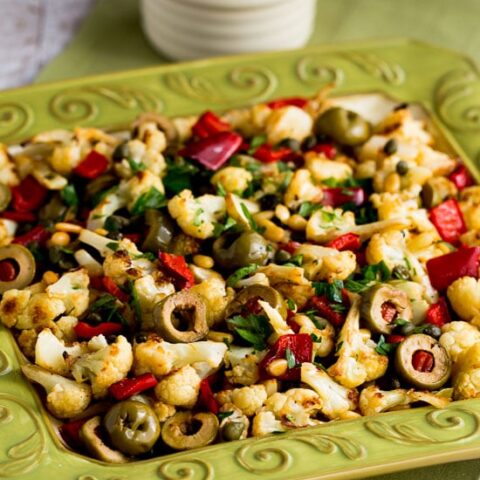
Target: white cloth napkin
34, 31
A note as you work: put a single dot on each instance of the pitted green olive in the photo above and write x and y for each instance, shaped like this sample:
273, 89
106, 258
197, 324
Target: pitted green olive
132, 427
95, 445
170, 312
343, 126
423, 362
259, 292
248, 248
161, 230
25, 263
185, 431
382, 304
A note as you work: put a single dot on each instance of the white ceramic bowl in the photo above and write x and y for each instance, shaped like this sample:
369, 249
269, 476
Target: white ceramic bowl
187, 29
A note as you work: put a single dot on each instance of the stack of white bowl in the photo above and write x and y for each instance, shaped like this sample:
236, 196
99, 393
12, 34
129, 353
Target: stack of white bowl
187, 29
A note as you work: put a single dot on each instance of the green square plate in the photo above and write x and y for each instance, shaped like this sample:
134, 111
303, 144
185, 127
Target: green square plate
445, 83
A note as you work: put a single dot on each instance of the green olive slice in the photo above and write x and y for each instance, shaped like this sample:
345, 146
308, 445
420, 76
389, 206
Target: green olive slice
260, 292
26, 266
95, 445
249, 247
185, 430
343, 126
132, 427
429, 375
382, 304
436, 190
5, 197
188, 306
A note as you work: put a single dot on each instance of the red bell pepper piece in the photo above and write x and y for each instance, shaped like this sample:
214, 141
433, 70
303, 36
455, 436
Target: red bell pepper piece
267, 154
388, 312
87, 331
36, 235
422, 361
128, 387
291, 322
447, 268
395, 338
327, 149
70, 432
448, 220
20, 217
208, 124
206, 398
289, 247
93, 165
338, 196
287, 102
176, 267
212, 152
8, 272
361, 257
348, 241
29, 195
461, 177
299, 344
322, 305
113, 289
438, 314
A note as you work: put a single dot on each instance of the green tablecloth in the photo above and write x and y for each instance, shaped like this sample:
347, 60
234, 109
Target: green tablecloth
111, 39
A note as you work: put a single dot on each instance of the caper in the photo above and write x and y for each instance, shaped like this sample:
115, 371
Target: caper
309, 142
401, 272
140, 338
120, 152
343, 126
390, 147
290, 143
407, 329
402, 167
269, 201
433, 330
282, 256
232, 431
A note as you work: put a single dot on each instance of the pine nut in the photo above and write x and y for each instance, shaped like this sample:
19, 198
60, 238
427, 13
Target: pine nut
203, 261
277, 367
59, 239
68, 227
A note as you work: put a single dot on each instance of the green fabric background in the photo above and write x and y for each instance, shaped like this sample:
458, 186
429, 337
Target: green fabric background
111, 39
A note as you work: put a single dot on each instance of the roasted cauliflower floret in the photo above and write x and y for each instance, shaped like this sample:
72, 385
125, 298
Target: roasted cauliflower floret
470, 206
265, 423
53, 355
108, 206
322, 168
180, 388
163, 411
323, 338
373, 400
72, 290
322, 263
458, 337
358, 362
336, 399
161, 358
197, 216
232, 179
235, 416
302, 189
327, 223
7, 168
466, 374
7, 231
105, 366
243, 364
464, 296
288, 122
141, 184
296, 407
216, 297
65, 398
388, 247
248, 399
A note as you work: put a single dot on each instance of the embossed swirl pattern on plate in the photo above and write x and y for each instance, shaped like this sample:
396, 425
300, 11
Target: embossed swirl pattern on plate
251, 84
79, 105
270, 456
25, 455
314, 71
447, 419
5, 365
186, 469
456, 99
372, 64
15, 118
